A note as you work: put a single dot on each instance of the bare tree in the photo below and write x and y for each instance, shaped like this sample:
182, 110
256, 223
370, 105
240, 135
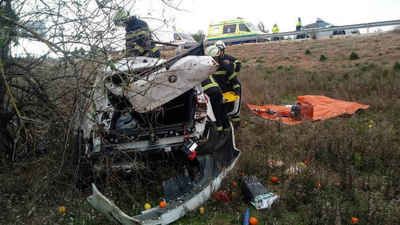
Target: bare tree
51, 53
40, 90
7, 33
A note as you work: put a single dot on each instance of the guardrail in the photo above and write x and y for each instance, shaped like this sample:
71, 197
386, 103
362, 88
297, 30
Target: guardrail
333, 28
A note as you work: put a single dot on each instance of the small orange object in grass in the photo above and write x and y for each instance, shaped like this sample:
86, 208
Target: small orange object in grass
202, 210
274, 179
354, 220
253, 221
318, 185
62, 210
307, 162
163, 204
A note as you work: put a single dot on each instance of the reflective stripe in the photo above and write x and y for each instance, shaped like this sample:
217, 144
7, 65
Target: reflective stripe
221, 72
154, 49
211, 84
208, 86
236, 86
237, 61
233, 75
235, 119
136, 47
137, 33
212, 80
220, 128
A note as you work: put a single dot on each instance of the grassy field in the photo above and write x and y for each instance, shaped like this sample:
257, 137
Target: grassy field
353, 163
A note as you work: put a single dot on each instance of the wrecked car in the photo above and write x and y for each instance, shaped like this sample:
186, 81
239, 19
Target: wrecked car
149, 106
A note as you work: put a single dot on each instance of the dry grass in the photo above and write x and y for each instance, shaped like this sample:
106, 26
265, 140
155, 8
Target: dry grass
355, 160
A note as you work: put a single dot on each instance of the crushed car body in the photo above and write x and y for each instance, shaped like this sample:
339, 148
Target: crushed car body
146, 105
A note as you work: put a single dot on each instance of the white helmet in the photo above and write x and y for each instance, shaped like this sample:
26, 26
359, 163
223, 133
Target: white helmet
220, 44
212, 51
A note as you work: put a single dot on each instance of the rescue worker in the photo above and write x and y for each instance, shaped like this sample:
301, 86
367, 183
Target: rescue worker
229, 69
138, 42
275, 30
227, 74
299, 25
138, 39
213, 90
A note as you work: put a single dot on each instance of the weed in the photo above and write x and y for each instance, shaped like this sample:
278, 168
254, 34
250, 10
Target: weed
354, 56
366, 66
322, 58
396, 67
307, 52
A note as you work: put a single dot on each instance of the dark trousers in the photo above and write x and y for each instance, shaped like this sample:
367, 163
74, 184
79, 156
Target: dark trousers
217, 104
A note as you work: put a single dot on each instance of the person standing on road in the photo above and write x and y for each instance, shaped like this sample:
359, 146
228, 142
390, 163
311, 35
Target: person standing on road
275, 30
299, 25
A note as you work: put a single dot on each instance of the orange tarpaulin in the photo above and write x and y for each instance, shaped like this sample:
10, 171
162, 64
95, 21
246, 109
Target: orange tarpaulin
312, 107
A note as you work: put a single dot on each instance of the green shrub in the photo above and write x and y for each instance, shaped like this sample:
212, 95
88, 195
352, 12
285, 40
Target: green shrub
307, 52
396, 66
354, 56
322, 58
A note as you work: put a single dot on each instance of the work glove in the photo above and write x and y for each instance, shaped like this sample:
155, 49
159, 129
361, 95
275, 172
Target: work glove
237, 67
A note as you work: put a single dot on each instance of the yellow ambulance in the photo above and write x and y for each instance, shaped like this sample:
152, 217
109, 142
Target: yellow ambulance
234, 31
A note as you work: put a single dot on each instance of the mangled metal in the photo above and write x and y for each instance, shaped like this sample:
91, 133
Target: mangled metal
143, 105
180, 202
164, 85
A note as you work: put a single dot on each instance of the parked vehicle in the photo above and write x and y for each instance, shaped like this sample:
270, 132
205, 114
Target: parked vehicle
233, 31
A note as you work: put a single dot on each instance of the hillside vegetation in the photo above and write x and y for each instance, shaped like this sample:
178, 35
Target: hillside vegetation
350, 165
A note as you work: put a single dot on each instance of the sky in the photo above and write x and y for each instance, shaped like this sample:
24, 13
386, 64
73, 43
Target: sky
199, 13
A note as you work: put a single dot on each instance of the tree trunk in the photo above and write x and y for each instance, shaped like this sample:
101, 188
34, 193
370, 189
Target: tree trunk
7, 30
